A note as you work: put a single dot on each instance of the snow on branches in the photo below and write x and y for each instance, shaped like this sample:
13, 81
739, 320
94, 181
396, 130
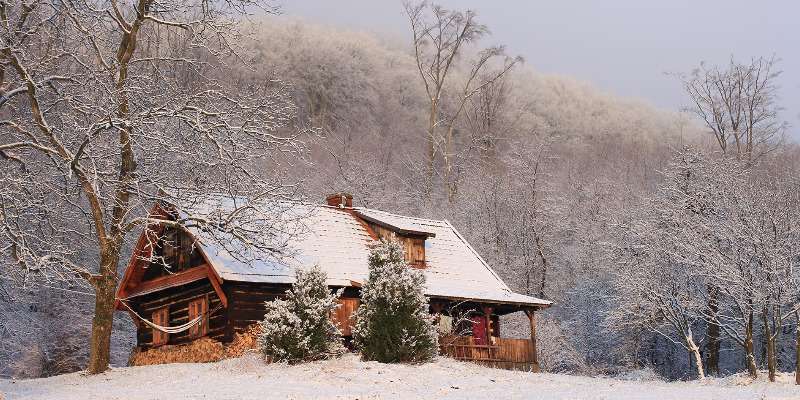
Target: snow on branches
299, 327
715, 246
393, 323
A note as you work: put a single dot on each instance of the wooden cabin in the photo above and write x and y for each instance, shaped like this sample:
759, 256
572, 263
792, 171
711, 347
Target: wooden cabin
179, 275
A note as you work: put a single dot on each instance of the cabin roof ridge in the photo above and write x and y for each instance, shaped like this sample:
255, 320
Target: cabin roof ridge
366, 209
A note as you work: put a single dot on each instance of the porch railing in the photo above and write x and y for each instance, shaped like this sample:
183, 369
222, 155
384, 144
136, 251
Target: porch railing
517, 354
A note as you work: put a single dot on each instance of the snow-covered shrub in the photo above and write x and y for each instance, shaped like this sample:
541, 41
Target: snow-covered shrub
299, 327
644, 374
393, 323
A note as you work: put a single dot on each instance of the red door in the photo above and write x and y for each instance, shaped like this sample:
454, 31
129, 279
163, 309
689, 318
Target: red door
479, 329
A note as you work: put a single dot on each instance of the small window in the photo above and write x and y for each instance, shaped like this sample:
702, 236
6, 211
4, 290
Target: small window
160, 318
199, 308
417, 252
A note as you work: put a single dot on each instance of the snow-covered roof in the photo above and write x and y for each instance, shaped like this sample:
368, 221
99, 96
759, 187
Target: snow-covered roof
338, 241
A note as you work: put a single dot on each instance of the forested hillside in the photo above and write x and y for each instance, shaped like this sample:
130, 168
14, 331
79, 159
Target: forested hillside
556, 183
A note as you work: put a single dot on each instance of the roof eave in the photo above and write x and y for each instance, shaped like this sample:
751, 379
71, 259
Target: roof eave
547, 304
406, 232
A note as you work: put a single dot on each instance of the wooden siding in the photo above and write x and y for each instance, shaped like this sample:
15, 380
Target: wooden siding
177, 300
344, 314
501, 353
414, 247
246, 304
177, 250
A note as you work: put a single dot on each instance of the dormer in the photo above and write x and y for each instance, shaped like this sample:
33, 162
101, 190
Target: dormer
413, 240
387, 226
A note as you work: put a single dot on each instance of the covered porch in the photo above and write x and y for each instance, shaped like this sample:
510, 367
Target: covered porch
471, 332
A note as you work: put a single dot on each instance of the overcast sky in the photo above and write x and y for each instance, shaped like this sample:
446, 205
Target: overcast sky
622, 46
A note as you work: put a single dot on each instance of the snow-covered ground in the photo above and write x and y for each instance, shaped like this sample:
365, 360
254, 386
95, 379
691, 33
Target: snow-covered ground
349, 378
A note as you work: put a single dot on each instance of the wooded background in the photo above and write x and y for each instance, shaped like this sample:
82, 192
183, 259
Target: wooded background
565, 190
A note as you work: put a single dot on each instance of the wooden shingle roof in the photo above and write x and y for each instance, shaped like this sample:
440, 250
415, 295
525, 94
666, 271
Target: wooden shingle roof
338, 240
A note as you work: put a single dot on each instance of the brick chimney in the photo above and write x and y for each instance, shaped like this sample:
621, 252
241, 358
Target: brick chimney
340, 199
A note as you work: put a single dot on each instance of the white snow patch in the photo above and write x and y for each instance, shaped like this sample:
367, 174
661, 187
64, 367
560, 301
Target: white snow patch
349, 378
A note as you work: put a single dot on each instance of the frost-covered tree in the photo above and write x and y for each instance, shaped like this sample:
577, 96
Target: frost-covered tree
393, 323
738, 103
300, 327
727, 234
745, 243
655, 289
108, 107
440, 37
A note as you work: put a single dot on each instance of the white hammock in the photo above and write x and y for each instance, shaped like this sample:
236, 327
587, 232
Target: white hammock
167, 329
173, 329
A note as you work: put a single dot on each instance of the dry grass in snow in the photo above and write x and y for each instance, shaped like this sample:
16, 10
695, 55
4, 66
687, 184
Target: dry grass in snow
349, 378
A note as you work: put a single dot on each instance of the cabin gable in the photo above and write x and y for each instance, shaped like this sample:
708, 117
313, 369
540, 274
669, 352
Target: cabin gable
165, 257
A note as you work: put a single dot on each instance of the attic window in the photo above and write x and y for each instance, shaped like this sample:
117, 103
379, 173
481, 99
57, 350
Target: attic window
413, 246
412, 239
415, 251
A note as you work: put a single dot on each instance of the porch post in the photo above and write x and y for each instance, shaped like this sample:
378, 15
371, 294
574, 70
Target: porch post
531, 313
487, 314
437, 311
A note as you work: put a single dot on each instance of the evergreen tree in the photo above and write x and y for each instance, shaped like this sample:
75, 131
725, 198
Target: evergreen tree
299, 327
393, 323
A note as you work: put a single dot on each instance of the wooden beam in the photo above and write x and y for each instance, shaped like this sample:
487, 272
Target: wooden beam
487, 314
404, 232
216, 281
164, 282
363, 223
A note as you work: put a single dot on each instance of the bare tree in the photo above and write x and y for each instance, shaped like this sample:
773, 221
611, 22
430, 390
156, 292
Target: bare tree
477, 80
108, 107
657, 288
484, 116
738, 104
439, 38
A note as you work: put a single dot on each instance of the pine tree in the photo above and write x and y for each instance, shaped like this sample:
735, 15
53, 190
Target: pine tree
299, 327
393, 323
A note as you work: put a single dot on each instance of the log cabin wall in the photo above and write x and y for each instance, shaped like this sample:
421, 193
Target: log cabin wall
177, 301
246, 305
343, 317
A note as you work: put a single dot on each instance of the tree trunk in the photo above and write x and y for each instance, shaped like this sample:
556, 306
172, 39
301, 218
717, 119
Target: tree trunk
713, 332
698, 358
102, 323
750, 357
532, 319
797, 349
769, 340
105, 284
540, 252
431, 145
449, 184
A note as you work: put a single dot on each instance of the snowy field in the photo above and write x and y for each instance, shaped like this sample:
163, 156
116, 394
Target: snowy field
349, 378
